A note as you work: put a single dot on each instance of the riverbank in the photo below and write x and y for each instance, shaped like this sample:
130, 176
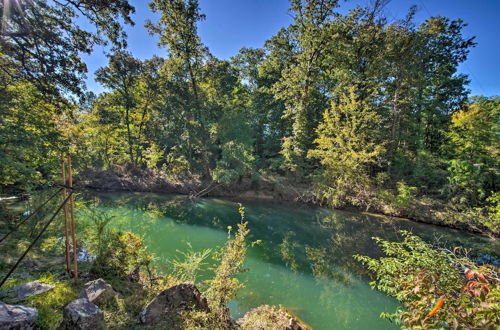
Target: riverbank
419, 209
304, 251
120, 287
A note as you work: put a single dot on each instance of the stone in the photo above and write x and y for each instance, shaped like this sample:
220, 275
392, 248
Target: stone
23, 291
293, 325
98, 291
170, 302
83, 315
17, 317
270, 317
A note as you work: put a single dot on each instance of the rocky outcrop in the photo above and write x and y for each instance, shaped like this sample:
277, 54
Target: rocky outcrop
98, 291
83, 315
270, 317
23, 291
170, 302
17, 317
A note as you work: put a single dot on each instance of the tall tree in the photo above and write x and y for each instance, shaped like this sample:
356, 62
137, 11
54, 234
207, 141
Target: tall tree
177, 28
122, 75
474, 146
347, 145
299, 85
43, 41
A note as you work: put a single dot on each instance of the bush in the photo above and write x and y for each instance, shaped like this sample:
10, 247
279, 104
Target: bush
185, 269
436, 287
222, 288
403, 198
123, 253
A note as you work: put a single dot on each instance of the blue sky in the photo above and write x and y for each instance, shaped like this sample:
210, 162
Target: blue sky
232, 24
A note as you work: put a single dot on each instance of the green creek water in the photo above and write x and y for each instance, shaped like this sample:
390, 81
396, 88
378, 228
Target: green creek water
304, 262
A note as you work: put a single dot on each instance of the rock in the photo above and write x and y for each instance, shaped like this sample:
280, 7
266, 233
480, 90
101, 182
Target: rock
82, 314
23, 291
293, 325
270, 317
98, 291
17, 317
168, 303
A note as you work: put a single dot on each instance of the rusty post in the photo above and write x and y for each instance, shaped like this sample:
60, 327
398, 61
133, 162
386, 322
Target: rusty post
72, 208
66, 234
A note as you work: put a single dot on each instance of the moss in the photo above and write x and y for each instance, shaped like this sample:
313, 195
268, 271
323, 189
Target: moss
51, 303
269, 317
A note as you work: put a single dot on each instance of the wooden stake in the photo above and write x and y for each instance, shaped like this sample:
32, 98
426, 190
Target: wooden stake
66, 233
72, 208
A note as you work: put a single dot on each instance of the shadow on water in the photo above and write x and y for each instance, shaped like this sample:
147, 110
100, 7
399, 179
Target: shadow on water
304, 261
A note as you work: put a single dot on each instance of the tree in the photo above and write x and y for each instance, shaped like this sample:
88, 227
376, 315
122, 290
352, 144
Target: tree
43, 40
122, 76
178, 31
299, 86
347, 145
474, 143
29, 137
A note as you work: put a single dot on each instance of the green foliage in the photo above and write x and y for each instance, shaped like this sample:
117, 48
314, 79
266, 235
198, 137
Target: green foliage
419, 275
29, 136
494, 205
97, 240
42, 41
405, 195
346, 145
123, 253
185, 268
222, 288
474, 145
51, 303
236, 149
300, 82
465, 183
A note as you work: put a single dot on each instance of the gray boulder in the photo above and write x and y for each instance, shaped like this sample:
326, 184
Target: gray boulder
98, 291
83, 315
23, 291
170, 302
17, 317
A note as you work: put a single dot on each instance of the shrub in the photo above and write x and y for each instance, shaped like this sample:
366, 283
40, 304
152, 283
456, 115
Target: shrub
185, 269
436, 287
124, 252
224, 285
405, 194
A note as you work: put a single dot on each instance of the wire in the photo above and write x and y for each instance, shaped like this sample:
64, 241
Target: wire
29, 216
35, 240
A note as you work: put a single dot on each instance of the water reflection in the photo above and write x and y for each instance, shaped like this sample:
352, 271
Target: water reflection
305, 259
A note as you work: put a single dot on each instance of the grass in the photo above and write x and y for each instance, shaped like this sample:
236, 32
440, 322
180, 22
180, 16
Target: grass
51, 303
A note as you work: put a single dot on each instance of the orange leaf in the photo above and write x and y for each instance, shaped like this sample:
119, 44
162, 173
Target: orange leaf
436, 307
469, 273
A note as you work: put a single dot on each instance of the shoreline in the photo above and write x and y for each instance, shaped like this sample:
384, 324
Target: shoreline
276, 188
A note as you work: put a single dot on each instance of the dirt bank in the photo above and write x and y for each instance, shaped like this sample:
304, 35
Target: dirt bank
277, 188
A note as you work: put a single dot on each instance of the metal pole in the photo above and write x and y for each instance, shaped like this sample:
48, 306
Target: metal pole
66, 232
34, 241
72, 208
